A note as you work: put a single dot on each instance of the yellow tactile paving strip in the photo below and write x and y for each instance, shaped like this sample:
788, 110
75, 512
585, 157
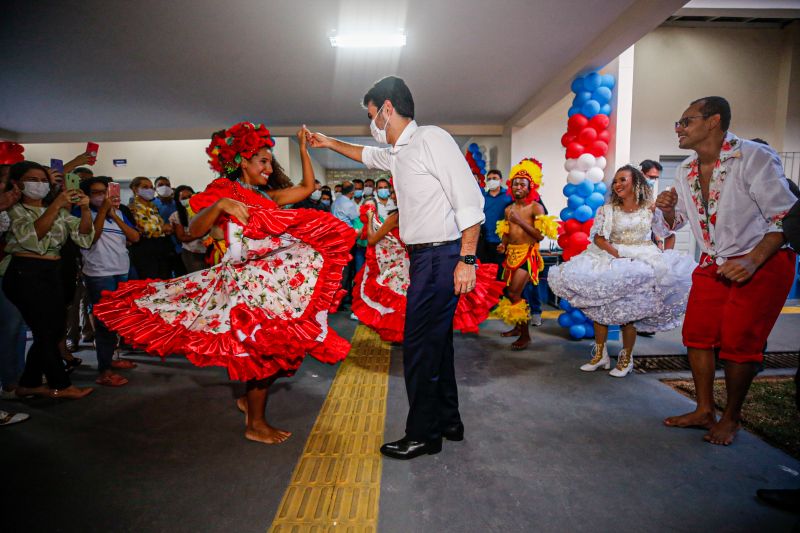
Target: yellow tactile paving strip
787, 310
336, 484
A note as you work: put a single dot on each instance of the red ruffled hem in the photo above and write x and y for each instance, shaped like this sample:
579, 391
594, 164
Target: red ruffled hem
273, 345
473, 307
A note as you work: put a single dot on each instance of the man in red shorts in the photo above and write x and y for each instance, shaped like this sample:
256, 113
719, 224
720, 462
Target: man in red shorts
733, 195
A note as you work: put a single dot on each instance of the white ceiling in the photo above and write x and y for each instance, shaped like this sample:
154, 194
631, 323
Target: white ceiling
180, 69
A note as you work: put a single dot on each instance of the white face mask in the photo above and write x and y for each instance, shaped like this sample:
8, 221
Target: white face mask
492, 185
164, 191
36, 190
185, 202
379, 135
316, 195
368, 191
146, 194
97, 200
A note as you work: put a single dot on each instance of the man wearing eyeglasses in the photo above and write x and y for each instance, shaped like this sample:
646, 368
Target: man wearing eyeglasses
733, 195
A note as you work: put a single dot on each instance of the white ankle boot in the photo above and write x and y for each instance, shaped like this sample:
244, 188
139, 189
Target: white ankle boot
624, 365
599, 358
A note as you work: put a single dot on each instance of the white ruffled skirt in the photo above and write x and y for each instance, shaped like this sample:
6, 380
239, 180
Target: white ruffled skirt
645, 286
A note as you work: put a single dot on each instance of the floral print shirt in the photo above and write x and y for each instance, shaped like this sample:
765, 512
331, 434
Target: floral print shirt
748, 197
147, 220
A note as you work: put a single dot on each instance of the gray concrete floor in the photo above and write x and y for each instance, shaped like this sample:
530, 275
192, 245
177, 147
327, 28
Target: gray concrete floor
548, 448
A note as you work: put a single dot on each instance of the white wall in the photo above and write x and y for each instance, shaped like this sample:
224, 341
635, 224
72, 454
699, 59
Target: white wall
184, 162
674, 66
295, 166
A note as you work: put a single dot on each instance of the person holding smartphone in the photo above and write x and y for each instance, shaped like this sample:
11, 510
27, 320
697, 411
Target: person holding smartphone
32, 278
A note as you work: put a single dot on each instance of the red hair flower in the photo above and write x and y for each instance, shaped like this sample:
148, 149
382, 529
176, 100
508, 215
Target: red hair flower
242, 140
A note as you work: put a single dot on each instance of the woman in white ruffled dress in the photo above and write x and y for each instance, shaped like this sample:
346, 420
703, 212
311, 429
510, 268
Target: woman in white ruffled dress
623, 278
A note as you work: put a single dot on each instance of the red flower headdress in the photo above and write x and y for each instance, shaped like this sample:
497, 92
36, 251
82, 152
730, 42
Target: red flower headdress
10, 153
242, 140
531, 170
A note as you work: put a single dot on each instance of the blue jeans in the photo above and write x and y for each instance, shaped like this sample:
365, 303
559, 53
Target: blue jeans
360, 257
13, 333
105, 340
532, 295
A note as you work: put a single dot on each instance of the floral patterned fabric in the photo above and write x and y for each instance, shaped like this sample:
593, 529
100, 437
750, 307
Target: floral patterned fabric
257, 312
645, 286
748, 196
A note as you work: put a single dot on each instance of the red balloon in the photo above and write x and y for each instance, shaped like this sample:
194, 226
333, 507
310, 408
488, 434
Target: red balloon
599, 122
579, 240
572, 226
598, 148
470, 159
566, 255
587, 136
566, 139
574, 150
576, 123
586, 227
604, 136
563, 241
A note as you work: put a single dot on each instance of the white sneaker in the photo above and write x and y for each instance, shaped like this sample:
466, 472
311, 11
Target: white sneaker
599, 358
536, 320
6, 418
353, 317
624, 365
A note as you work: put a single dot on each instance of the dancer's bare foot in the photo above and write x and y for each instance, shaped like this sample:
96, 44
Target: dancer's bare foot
71, 393
241, 403
516, 332
521, 343
723, 432
693, 420
263, 432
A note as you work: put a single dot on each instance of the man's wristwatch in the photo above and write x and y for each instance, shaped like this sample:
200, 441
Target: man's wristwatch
467, 259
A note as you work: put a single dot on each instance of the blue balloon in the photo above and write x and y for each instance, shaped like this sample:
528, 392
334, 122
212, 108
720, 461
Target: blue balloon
590, 108
583, 213
568, 190
564, 320
600, 187
591, 81
584, 188
577, 331
607, 80
581, 98
577, 85
595, 200
574, 110
589, 330
473, 147
577, 316
575, 201
605, 109
602, 95
564, 304
566, 214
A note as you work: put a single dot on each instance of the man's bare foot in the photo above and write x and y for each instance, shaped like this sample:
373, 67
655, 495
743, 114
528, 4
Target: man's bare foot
723, 432
241, 403
517, 331
521, 343
70, 393
693, 420
263, 432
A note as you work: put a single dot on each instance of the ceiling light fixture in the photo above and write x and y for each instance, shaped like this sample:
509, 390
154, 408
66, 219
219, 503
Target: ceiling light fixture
368, 40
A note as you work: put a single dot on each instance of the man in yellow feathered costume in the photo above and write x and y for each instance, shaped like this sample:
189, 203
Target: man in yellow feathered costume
524, 226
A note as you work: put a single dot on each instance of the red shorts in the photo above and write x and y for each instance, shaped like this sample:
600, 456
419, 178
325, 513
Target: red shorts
737, 318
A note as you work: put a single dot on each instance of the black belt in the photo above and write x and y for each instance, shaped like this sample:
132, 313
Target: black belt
422, 246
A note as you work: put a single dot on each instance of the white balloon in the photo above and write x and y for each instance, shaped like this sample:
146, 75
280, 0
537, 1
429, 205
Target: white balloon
585, 162
569, 164
601, 162
595, 175
576, 176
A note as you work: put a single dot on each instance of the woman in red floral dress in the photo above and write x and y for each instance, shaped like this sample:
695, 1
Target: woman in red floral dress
265, 305
380, 287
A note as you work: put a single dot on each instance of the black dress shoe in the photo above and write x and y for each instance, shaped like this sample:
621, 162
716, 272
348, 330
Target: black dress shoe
786, 499
406, 448
453, 432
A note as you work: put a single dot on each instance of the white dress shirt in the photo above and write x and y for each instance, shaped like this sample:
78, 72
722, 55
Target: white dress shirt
748, 198
437, 195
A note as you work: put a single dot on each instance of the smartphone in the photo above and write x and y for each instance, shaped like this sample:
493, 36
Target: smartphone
91, 149
72, 182
113, 189
57, 165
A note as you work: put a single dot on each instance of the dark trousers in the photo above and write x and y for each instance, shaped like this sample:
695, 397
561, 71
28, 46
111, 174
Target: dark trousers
487, 253
105, 340
428, 343
34, 287
153, 258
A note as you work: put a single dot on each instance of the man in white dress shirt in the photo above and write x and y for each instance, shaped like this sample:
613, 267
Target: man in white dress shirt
734, 196
441, 210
